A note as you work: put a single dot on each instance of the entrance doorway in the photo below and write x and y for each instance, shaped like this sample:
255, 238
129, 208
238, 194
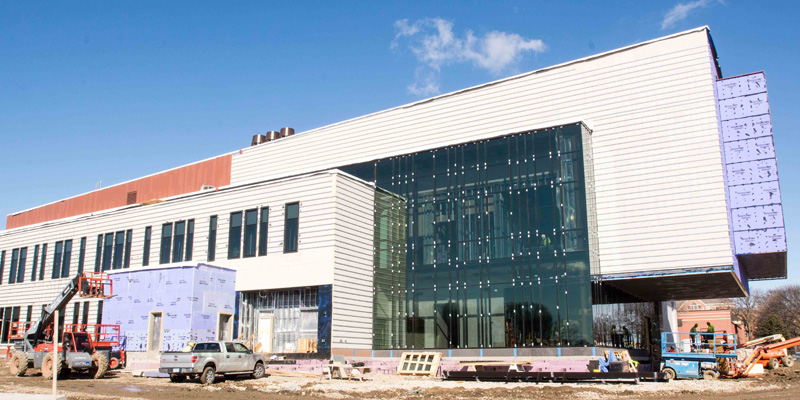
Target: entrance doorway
225, 327
265, 332
154, 331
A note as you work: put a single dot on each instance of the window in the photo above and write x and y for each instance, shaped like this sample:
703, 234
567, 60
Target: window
128, 240
65, 259
189, 239
2, 263
41, 263
57, 260
12, 276
23, 258
119, 243
290, 231
99, 318
166, 238
207, 347
148, 231
250, 228
76, 311
98, 254
29, 314
212, 237
35, 262
235, 235
263, 230
85, 316
177, 244
108, 251
81, 255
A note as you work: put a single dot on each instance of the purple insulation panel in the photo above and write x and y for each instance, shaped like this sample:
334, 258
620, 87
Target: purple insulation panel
751, 170
179, 294
760, 241
749, 150
746, 128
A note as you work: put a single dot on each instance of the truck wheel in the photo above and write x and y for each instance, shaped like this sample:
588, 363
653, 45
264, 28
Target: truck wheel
113, 363
258, 371
787, 361
48, 365
208, 376
669, 374
99, 366
709, 375
19, 363
177, 378
772, 363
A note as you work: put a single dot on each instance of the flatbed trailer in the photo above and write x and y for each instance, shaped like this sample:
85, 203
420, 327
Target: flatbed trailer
555, 377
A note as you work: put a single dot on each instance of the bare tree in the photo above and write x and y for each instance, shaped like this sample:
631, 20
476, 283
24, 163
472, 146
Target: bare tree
784, 302
745, 310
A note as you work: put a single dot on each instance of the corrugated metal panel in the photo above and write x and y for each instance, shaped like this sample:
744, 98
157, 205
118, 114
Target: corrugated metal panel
311, 265
352, 281
655, 138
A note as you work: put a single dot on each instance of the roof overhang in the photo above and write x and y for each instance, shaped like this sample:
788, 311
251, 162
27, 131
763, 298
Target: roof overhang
687, 284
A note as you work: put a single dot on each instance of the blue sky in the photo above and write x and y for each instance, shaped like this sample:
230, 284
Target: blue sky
110, 91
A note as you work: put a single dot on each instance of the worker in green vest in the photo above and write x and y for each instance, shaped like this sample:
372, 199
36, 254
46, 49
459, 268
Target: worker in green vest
709, 329
693, 335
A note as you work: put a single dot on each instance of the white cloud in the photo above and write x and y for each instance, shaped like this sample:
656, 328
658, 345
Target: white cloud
681, 11
435, 45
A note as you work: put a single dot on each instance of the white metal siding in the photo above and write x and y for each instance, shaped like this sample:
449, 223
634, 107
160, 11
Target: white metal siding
655, 138
352, 281
311, 265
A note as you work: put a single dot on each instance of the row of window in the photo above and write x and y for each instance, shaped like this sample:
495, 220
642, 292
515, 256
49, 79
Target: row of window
177, 241
10, 322
62, 259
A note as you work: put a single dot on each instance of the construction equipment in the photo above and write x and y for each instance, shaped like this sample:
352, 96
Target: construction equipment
752, 364
685, 357
770, 359
106, 339
76, 352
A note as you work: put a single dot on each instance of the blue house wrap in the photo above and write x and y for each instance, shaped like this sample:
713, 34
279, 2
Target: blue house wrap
190, 299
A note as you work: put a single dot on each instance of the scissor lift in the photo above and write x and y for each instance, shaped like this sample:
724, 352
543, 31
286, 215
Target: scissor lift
685, 357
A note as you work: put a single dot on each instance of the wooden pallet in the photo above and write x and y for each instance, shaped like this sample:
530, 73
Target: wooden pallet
419, 364
307, 345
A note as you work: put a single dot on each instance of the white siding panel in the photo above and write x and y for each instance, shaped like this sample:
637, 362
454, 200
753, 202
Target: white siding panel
655, 140
352, 283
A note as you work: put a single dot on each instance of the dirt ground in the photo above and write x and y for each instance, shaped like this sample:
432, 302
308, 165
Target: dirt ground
780, 384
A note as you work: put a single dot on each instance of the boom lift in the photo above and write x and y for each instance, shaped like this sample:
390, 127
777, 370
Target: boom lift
76, 352
752, 364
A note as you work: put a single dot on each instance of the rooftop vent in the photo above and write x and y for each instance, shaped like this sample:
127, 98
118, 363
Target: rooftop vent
287, 132
258, 139
273, 135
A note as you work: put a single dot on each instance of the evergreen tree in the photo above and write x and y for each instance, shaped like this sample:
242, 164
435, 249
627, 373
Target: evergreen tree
772, 325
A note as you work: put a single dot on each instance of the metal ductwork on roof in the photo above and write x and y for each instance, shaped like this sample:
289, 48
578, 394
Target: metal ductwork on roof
273, 135
258, 139
287, 132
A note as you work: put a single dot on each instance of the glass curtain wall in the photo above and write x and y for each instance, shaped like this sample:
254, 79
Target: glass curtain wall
493, 249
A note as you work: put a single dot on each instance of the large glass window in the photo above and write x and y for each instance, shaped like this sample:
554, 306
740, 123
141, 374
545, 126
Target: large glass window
65, 262
493, 244
57, 260
177, 243
35, 267
212, 238
189, 239
12, 275
2, 264
290, 230
23, 258
148, 232
98, 253
250, 228
166, 241
128, 242
119, 247
235, 235
108, 251
41, 263
81, 255
263, 230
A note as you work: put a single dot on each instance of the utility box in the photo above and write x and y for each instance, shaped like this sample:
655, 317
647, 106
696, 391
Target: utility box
163, 309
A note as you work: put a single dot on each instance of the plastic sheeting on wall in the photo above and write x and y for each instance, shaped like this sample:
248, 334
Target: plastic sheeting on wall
190, 299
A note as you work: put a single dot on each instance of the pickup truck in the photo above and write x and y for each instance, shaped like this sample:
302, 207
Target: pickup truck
207, 359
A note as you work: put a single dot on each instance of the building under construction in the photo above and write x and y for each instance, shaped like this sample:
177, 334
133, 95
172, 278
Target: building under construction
526, 216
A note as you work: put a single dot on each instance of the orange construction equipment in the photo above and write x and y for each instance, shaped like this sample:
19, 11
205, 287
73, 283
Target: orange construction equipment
752, 364
105, 339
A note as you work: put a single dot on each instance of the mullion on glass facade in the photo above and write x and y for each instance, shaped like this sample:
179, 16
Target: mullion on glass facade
496, 246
